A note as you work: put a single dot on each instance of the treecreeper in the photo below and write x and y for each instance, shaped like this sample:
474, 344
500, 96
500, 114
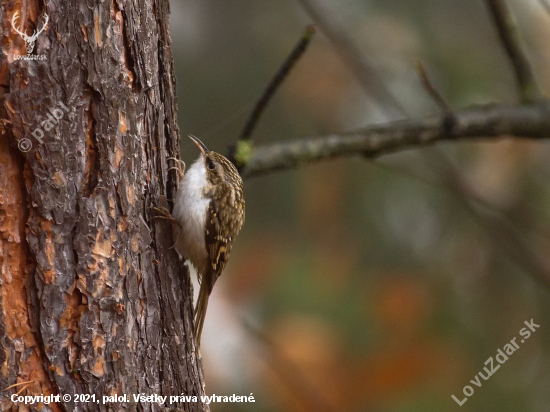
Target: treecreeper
209, 213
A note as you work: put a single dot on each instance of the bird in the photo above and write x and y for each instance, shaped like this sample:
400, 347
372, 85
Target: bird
209, 209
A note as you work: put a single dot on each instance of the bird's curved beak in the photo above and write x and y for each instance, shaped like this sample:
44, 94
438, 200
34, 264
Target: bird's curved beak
204, 150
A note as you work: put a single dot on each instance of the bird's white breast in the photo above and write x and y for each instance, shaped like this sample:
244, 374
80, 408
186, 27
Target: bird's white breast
190, 208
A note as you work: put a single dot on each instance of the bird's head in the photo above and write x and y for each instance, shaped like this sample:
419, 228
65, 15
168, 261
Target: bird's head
219, 170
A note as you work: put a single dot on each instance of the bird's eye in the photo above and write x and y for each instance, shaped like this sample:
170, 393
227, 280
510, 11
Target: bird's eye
211, 165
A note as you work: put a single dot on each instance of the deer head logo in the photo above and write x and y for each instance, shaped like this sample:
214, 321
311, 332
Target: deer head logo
29, 40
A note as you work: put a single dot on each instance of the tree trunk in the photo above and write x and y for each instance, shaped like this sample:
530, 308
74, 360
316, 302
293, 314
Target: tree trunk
93, 300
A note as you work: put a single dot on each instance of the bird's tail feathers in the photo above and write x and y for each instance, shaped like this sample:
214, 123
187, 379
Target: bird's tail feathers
200, 312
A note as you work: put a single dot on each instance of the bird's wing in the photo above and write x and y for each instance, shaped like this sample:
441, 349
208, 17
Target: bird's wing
217, 245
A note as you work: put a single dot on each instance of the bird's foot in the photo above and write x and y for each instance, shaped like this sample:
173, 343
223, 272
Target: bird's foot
163, 214
179, 167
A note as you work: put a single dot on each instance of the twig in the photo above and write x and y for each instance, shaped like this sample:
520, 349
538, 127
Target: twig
23, 388
281, 74
507, 31
239, 152
363, 70
432, 91
17, 384
485, 122
449, 119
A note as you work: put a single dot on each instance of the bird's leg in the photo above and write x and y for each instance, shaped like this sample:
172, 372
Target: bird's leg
179, 167
164, 214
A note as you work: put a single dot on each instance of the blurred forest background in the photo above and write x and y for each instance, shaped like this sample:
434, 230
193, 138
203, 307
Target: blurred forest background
372, 285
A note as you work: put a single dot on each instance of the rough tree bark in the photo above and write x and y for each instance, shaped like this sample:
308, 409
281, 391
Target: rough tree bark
92, 299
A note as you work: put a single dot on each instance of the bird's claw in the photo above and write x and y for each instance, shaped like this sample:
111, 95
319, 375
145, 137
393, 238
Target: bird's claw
165, 214
179, 167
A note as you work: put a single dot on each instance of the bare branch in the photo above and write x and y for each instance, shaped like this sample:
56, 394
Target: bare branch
363, 70
239, 152
281, 74
509, 37
491, 121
